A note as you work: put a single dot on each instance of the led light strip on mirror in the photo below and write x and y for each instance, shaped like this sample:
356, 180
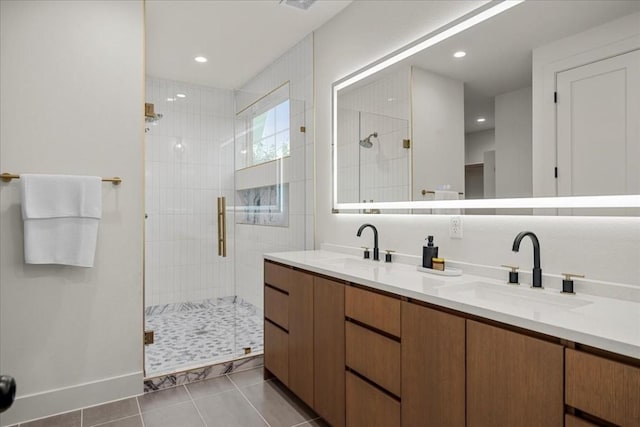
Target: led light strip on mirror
481, 14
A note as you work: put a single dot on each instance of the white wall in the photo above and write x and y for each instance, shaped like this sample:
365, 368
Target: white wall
296, 67
189, 163
568, 244
71, 78
513, 144
476, 143
438, 132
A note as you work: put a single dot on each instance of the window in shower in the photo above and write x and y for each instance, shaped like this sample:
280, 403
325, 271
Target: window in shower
263, 127
270, 134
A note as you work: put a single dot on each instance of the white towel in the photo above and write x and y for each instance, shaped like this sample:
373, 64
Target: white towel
61, 214
446, 195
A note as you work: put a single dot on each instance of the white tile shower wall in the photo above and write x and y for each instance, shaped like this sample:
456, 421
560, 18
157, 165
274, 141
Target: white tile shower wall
295, 67
189, 158
381, 172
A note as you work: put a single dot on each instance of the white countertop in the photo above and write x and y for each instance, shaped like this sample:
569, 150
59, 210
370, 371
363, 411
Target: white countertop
605, 323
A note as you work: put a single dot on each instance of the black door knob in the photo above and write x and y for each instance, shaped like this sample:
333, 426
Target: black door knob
7, 392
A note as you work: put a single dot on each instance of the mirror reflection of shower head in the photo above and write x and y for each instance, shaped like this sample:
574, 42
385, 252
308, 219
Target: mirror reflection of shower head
366, 143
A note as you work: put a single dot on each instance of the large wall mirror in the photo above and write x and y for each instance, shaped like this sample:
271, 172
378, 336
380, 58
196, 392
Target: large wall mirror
524, 106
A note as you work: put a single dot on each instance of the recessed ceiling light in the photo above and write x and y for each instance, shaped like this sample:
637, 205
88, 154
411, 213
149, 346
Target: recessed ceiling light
181, 95
391, 99
460, 54
200, 59
171, 99
481, 120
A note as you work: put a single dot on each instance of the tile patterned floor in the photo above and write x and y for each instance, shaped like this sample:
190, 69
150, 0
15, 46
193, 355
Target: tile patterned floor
241, 399
200, 333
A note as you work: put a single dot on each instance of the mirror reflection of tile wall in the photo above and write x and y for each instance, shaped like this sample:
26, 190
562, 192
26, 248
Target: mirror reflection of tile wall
379, 168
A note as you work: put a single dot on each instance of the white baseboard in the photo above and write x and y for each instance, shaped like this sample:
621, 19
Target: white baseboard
65, 399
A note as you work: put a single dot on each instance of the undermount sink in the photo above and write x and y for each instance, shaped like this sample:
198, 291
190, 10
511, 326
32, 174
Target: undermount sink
351, 263
517, 297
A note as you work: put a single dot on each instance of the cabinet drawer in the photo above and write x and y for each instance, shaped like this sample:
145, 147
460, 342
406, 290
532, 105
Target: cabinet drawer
373, 356
378, 311
276, 351
369, 407
603, 388
276, 307
277, 276
571, 421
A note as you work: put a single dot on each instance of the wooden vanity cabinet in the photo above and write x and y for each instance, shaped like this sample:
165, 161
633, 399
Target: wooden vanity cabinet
369, 406
276, 351
433, 367
512, 379
373, 358
366, 358
301, 335
304, 338
328, 354
288, 340
603, 388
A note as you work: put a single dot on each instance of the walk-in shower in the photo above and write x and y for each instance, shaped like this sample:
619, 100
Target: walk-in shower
191, 301
203, 304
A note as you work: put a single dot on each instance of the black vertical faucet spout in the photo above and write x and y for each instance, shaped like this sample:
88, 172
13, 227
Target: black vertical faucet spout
376, 251
537, 271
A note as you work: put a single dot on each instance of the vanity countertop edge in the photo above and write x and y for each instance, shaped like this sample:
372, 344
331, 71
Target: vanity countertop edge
605, 323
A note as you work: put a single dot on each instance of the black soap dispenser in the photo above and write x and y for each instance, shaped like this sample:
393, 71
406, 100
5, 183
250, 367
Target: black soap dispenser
429, 252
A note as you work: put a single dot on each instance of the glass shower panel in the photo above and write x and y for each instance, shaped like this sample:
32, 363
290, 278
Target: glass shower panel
190, 296
270, 199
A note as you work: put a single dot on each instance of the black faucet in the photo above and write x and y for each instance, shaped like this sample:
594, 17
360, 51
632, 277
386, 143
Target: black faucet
376, 255
537, 271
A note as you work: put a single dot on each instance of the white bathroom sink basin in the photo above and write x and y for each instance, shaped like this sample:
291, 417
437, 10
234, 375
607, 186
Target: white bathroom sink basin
513, 297
350, 263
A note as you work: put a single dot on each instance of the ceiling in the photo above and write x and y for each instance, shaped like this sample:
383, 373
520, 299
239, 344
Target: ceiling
239, 37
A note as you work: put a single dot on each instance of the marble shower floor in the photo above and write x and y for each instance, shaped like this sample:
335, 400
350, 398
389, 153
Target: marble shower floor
193, 334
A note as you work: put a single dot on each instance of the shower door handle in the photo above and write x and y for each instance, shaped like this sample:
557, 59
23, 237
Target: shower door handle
222, 227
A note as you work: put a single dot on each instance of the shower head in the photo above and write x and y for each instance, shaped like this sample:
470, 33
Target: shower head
152, 119
366, 143
150, 116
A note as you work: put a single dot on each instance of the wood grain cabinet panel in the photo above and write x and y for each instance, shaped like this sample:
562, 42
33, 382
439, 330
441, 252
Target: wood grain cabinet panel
571, 421
328, 351
301, 335
277, 276
604, 388
433, 367
276, 351
276, 307
512, 379
379, 311
373, 356
369, 407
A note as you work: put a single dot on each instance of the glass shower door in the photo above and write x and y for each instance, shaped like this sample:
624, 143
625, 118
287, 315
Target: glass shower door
271, 196
190, 296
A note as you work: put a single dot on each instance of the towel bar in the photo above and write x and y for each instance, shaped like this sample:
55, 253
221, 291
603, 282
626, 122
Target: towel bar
7, 177
425, 192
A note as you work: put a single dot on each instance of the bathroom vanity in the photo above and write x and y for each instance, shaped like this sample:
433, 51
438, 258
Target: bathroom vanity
366, 343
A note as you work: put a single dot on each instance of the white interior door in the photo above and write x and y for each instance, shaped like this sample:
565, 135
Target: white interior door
598, 127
